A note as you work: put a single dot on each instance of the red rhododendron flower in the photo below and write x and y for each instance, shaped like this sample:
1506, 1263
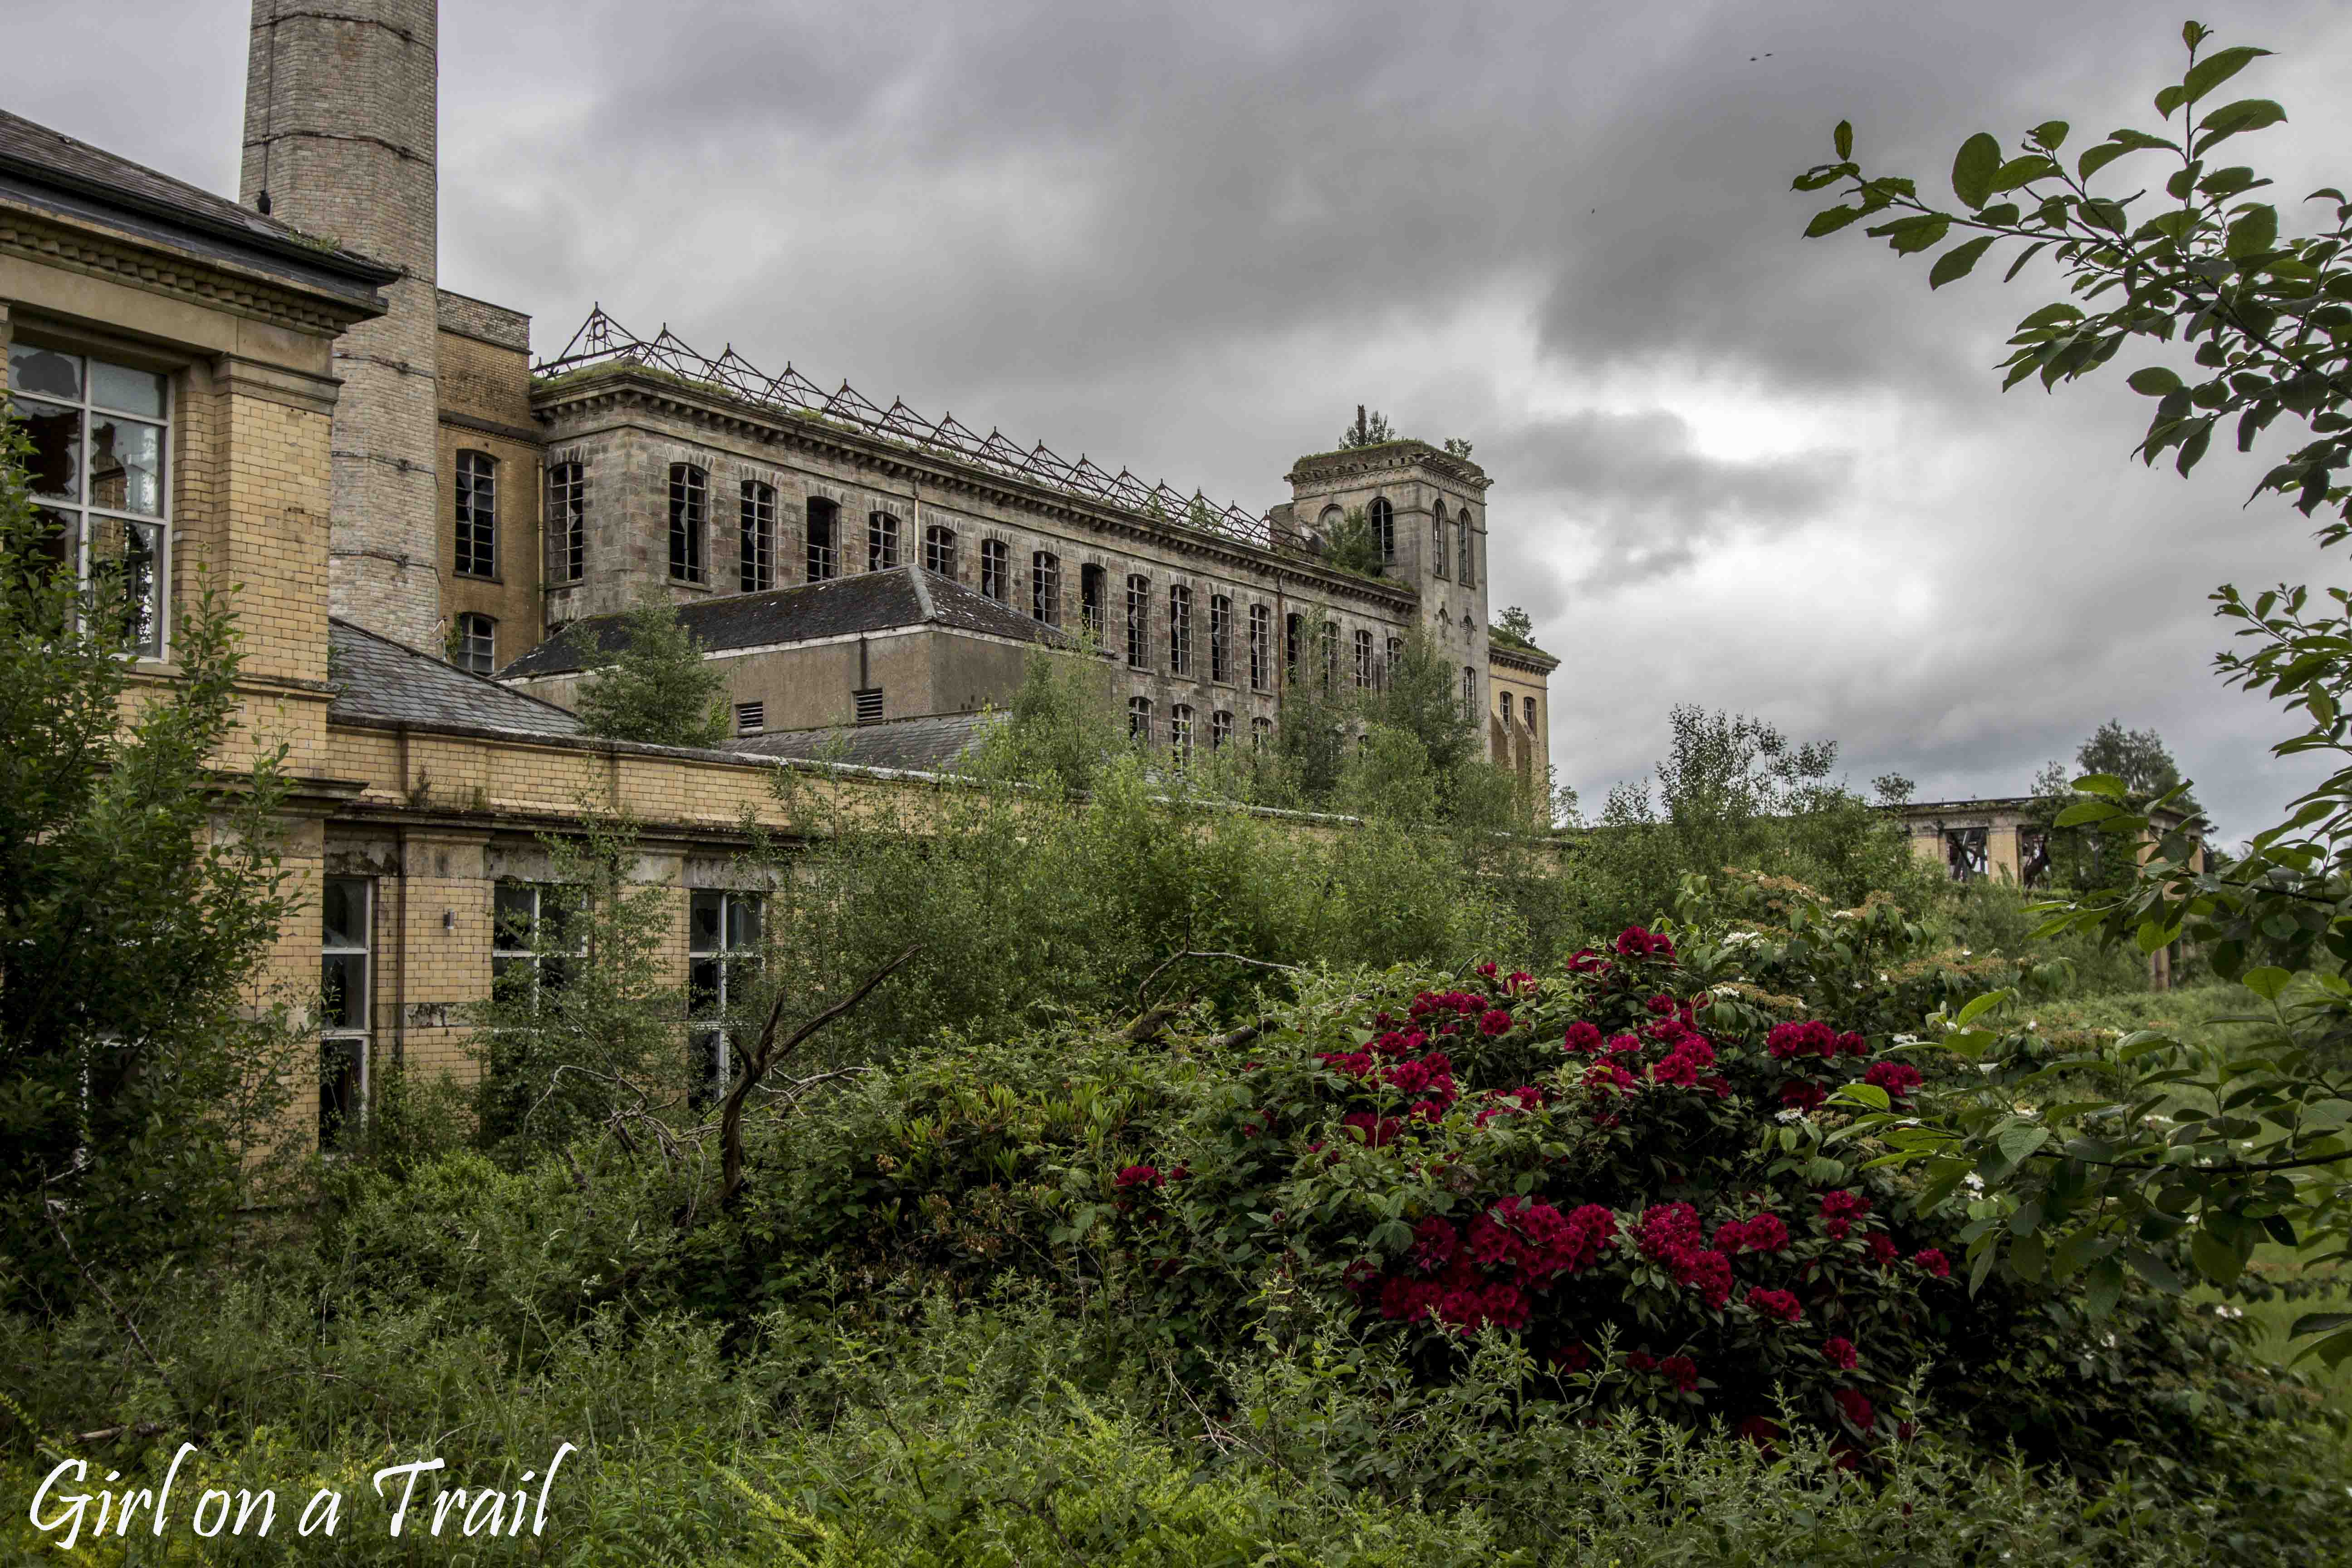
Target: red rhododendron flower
1765, 1233
1799, 1095
1137, 1176
1837, 1230
1897, 1078
1855, 1407
1572, 1359
1667, 1228
1505, 1305
1360, 1276
1518, 981
1810, 1037
1609, 1075
1406, 1300
1882, 1247
1839, 1353
1641, 1360
1776, 1304
1842, 1203
1760, 1430
1852, 1045
1428, 1110
1680, 1371
1488, 970
1434, 1243
1584, 960
1934, 1262
1494, 1021
1354, 1064
1662, 1007
1582, 1038
1378, 1132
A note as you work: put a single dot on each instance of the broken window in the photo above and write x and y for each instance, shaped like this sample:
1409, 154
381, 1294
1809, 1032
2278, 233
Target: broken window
939, 550
1046, 587
758, 548
2032, 857
1221, 637
824, 525
477, 515
1363, 661
477, 643
1383, 519
1964, 853
1138, 616
722, 950
1437, 539
1179, 733
1221, 730
567, 516
1090, 600
1180, 630
688, 513
881, 541
1261, 648
1138, 720
996, 569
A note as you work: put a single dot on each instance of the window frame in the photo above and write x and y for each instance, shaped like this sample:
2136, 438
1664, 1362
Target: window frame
77, 513
1180, 629
689, 523
1261, 648
717, 1026
881, 540
1438, 544
567, 499
1467, 574
541, 960
755, 566
351, 1039
996, 570
1046, 587
820, 539
1092, 580
1139, 622
939, 550
1138, 720
471, 624
475, 487
1179, 733
1220, 639
1221, 729
1381, 515
1363, 647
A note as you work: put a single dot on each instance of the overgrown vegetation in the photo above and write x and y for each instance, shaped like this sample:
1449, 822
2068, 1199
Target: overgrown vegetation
657, 688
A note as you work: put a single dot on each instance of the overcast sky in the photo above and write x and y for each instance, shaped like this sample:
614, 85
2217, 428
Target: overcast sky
1732, 467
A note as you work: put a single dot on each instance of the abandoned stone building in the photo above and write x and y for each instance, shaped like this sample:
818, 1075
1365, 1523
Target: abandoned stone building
276, 389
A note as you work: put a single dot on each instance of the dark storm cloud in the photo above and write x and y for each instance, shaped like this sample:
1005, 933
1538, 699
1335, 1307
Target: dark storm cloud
1191, 238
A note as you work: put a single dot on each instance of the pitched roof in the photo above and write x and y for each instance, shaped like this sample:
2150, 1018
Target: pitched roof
52, 170
843, 607
925, 745
380, 681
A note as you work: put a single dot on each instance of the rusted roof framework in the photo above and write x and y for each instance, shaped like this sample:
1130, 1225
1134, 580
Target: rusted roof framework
601, 340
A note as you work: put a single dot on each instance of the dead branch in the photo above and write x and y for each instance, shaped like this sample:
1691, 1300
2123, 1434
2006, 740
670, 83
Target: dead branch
108, 1434
765, 1055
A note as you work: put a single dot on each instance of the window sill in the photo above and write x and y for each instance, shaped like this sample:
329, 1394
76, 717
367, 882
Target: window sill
492, 578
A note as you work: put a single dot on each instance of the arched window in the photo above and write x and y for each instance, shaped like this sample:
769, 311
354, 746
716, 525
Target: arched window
1261, 731
1138, 616
567, 522
477, 643
824, 538
1180, 630
1437, 540
1396, 656
477, 515
1531, 715
689, 512
938, 549
1294, 634
881, 541
1090, 600
1330, 654
1046, 587
1468, 563
996, 569
1138, 720
1261, 648
1179, 733
1221, 730
1383, 519
1469, 691
757, 571
1221, 638
1363, 661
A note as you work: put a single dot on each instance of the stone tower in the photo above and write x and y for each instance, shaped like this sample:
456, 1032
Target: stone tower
341, 106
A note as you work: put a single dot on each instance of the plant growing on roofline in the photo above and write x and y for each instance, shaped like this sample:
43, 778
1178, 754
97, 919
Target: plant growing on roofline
2082, 1188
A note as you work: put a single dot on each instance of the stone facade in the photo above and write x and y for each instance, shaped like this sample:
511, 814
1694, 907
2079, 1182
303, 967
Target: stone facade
484, 355
340, 127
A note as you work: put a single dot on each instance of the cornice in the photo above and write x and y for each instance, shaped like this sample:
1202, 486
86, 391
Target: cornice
1532, 660
158, 269
1388, 457
610, 394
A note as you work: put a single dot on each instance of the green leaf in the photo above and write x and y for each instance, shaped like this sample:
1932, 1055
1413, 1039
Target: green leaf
2207, 74
2083, 811
1843, 137
2319, 1323
2095, 159
2215, 1259
2231, 118
2107, 784
1973, 169
2050, 134
2327, 1113
2268, 983
1831, 221
2103, 1285
1957, 262
2332, 1349
2029, 1254
2154, 381
1927, 235
2170, 98
1868, 1094
2016, 1142
2022, 171
2256, 233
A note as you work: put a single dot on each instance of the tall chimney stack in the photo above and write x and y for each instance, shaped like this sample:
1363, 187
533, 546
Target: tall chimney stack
341, 106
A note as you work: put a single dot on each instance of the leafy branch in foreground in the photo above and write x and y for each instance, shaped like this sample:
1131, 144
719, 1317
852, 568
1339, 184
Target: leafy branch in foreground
2086, 1161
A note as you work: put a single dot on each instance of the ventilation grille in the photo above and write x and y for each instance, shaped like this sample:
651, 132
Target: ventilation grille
870, 705
750, 718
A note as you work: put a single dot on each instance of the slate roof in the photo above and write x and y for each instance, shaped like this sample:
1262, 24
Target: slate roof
920, 745
843, 607
50, 169
379, 682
